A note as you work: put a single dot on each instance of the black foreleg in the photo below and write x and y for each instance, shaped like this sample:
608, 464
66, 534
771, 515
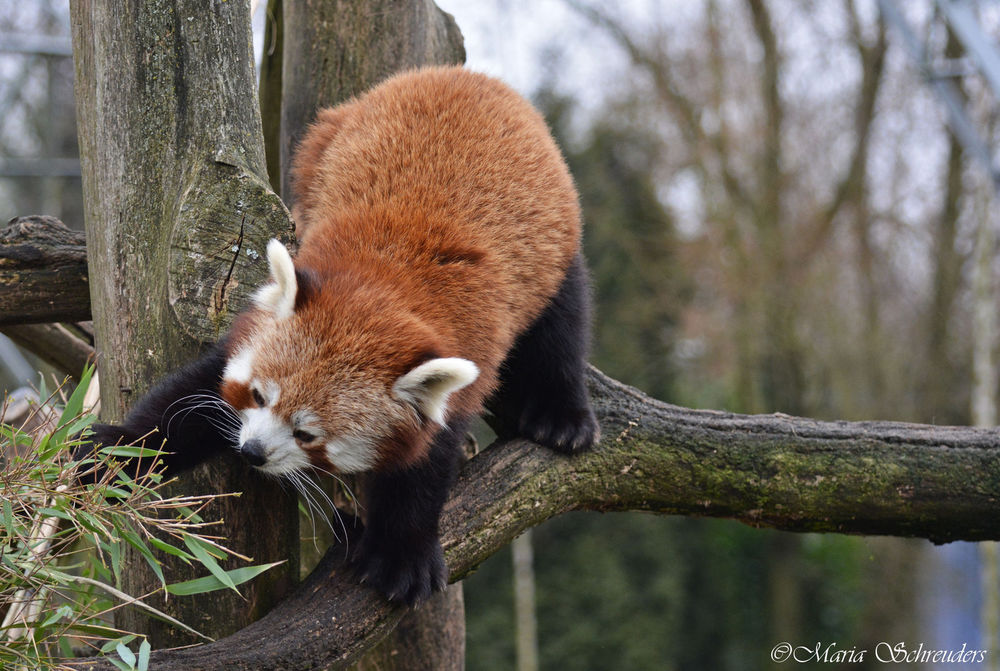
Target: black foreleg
182, 414
400, 554
543, 393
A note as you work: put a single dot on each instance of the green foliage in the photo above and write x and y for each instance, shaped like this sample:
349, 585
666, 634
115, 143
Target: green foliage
61, 543
638, 591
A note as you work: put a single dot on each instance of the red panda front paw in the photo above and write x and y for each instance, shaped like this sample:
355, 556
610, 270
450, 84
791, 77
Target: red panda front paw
402, 572
100, 435
564, 428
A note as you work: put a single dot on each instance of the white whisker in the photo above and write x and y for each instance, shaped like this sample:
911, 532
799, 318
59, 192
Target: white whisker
296, 481
211, 406
343, 484
308, 481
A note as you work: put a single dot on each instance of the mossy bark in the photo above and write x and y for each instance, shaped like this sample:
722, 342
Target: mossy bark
178, 211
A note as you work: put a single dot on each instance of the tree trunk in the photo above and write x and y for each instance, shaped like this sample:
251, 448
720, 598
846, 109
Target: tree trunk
525, 623
984, 391
341, 49
178, 212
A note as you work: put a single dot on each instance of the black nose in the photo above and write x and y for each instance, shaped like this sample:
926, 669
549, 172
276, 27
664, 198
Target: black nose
253, 452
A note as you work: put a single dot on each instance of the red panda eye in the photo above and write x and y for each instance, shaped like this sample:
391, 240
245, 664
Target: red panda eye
304, 436
257, 398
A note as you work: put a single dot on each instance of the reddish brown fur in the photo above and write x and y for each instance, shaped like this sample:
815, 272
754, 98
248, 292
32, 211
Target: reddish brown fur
439, 217
236, 394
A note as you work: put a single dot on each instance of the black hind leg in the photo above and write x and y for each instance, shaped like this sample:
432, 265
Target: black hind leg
543, 393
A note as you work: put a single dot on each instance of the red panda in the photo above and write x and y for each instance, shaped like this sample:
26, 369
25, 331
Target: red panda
438, 275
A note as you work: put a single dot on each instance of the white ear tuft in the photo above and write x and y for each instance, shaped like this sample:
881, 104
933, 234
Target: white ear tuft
278, 296
428, 386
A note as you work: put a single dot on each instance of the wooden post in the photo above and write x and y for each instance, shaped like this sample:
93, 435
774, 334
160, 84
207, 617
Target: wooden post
178, 211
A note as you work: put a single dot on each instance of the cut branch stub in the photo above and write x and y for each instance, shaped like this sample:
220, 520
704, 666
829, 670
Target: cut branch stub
225, 218
43, 272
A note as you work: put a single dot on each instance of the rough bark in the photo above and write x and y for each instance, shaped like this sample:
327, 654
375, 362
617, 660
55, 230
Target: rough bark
773, 471
342, 47
43, 272
431, 637
178, 212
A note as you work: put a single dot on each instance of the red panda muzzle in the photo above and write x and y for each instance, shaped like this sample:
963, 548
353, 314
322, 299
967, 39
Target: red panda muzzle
253, 452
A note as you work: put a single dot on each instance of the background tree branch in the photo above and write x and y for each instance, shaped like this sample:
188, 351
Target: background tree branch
776, 471
68, 347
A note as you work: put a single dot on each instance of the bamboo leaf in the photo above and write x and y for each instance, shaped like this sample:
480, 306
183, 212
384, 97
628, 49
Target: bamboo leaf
210, 583
126, 655
170, 549
135, 541
129, 451
119, 664
74, 406
202, 554
8, 518
144, 649
112, 644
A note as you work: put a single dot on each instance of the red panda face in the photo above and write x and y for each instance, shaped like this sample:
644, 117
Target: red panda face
314, 389
295, 415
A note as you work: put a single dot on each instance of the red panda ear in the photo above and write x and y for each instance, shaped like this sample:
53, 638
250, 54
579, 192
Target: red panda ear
428, 386
278, 297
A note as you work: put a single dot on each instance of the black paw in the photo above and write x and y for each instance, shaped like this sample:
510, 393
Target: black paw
100, 435
564, 428
405, 573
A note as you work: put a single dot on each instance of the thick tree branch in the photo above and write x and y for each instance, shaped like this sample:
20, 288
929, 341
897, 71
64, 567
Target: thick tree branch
777, 471
43, 278
43, 272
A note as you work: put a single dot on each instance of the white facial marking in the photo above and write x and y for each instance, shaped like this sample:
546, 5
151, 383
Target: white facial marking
428, 386
278, 297
240, 367
269, 389
350, 455
306, 421
282, 452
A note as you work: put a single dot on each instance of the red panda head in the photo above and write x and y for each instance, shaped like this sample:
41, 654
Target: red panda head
326, 374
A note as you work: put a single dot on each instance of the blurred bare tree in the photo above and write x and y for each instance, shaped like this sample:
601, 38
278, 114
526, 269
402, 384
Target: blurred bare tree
39, 166
805, 247
823, 206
